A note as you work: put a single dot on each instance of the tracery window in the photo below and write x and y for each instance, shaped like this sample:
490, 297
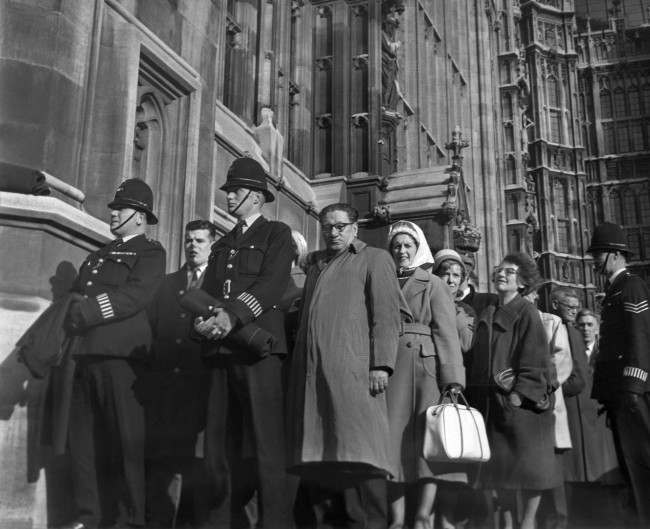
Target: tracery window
608, 138
622, 138
633, 98
605, 104
615, 207
619, 103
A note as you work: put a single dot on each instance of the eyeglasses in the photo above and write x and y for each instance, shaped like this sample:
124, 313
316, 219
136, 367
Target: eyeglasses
339, 227
507, 270
572, 308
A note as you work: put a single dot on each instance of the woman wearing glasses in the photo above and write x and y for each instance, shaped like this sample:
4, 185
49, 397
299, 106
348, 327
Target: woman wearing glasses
428, 358
511, 380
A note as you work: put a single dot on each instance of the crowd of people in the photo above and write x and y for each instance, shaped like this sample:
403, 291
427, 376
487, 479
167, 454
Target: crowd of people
229, 395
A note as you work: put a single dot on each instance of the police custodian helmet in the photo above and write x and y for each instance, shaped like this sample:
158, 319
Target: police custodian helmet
608, 237
248, 173
136, 194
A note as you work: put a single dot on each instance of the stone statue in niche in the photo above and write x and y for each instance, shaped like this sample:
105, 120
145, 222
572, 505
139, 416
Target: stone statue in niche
390, 93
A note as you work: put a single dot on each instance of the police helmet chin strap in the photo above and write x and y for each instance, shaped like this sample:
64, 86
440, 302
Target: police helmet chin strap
123, 223
242, 201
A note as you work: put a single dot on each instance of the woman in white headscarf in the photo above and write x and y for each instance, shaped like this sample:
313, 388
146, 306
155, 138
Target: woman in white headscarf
429, 359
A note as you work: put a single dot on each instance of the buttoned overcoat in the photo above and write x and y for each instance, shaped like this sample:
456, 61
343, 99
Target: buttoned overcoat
428, 358
176, 391
349, 325
521, 438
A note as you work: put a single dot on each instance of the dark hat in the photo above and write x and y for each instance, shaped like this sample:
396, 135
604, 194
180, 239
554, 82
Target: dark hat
608, 237
248, 173
135, 193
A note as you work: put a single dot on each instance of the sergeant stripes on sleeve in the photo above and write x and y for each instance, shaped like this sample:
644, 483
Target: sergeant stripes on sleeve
105, 305
636, 308
635, 372
251, 302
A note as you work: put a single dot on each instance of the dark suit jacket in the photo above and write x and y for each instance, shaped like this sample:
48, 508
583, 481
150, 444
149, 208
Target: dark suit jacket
175, 390
593, 456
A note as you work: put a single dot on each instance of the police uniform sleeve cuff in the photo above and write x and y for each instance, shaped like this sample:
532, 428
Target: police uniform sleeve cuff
634, 379
91, 312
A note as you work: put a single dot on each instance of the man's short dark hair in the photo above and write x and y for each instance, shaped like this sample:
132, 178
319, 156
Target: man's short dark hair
200, 224
353, 214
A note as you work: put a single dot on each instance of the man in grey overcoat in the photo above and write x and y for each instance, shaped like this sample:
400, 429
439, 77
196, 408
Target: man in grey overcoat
345, 352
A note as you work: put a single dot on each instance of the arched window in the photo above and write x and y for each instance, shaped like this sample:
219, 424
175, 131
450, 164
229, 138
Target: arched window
553, 95
513, 207
511, 170
635, 103
622, 138
629, 208
619, 103
615, 207
559, 199
644, 207
608, 138
605, 104
636, 136
645, 98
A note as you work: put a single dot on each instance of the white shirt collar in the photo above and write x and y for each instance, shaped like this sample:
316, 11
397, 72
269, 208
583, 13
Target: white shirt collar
248, 221
201, 268
129, 237
590, 349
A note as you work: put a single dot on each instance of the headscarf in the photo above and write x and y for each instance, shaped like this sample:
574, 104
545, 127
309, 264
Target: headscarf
423, 254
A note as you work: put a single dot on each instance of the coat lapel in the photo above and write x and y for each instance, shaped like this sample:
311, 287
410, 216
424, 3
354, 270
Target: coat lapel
506, 315
412, 288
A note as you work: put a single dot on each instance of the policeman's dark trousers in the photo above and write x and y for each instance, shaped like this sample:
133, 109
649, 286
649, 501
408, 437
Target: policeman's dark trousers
366, 504
253, 388
633, 429
106, 441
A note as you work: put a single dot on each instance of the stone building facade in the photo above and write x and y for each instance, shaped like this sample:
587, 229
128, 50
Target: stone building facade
466, 116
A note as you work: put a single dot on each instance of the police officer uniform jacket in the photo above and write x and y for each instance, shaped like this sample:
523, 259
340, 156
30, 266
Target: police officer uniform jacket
117, 282
250, 274
623, 360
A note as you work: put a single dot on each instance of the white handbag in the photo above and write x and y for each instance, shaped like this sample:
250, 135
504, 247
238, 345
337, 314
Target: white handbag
455, 432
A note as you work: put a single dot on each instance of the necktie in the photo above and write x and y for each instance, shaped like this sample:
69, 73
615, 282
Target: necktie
194, 279
239, 230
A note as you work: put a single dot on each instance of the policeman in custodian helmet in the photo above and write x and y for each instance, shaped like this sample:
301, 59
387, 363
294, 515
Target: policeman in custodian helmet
106, 432
248, 273
623, 362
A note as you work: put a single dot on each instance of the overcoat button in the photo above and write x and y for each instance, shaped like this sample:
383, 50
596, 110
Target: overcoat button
89, 283
119, 260
181, 292
178, 340
94, 271
226, 296
182, 314
177, 370
229, 265
409, 344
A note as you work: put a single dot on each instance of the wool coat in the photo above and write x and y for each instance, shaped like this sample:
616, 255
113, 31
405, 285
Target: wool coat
428, 358
593, 457
558, 340
349, 324
521, 437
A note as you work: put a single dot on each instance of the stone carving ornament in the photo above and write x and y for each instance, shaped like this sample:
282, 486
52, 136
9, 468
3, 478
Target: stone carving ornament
390, 93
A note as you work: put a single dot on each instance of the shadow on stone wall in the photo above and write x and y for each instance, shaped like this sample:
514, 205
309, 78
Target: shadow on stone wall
19, 389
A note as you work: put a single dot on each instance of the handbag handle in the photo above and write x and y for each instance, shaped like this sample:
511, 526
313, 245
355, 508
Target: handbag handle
453, 398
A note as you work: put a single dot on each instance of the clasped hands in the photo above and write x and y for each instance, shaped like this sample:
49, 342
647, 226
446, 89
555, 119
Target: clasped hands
216, 326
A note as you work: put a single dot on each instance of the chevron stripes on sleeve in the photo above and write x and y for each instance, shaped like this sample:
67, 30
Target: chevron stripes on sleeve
636, 308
